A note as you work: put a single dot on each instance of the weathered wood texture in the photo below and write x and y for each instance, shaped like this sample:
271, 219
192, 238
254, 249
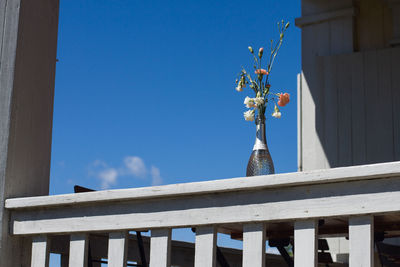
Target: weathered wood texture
373, 24
344, 94
28, 43
361, 108
182, 253
254, 245
361, 241
368, 195
359, 111
305, 243
160, 248
299, 122
117, 249
78, 250
330, 33
205, 248
323, 176
40, 251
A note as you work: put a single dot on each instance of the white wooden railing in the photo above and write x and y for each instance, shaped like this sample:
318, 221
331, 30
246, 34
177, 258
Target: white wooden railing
256, 205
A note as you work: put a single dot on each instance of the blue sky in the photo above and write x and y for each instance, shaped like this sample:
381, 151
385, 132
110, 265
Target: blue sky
145, 91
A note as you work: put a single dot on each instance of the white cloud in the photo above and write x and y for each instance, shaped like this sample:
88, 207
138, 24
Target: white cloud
108, 177
155, 176
131, 166
135, 166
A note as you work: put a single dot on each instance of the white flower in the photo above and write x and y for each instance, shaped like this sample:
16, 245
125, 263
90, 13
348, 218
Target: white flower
259, 101
249, 102
277, 114
249, 115
239, 88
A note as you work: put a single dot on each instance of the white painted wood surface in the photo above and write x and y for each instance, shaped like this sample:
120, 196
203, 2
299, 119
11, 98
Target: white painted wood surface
395, 61
345, 153
254, 245
205, 248
366, 196
40, 251
358, 107
325, 16
160, 248
305, 243
299, 122
361, 241
78, 250
117, 249
357, 89
331, 110
345, 174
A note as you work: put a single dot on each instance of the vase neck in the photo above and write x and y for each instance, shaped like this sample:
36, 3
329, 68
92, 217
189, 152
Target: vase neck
261, 140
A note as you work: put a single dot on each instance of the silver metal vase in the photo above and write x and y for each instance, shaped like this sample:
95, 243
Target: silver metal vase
260, 162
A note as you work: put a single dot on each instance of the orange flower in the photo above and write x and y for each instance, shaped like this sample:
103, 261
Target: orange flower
261, 71
283, 99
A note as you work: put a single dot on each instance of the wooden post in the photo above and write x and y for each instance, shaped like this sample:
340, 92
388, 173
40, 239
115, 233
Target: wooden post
117, 249
205, 248
254, 245
361, 241
160, 248
28, 45
305, 244
78, 250
40, 251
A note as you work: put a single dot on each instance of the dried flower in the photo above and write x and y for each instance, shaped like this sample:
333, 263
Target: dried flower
259, 101
239, 88
251, 49
283, 99
249, 102
261, 71
260, 52
277, 114
249, 115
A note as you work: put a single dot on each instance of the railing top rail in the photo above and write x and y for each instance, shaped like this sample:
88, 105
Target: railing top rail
343, 174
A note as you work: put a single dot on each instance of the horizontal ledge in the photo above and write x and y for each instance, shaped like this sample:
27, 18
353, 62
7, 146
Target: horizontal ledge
343, 199
322, 17
343, 174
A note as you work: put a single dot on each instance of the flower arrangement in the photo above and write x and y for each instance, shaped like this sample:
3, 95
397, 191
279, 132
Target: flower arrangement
260, 84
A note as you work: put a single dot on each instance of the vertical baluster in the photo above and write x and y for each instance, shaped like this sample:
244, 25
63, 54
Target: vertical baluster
361, 241
254, 245
160, 248
78, 250
305, 244
205, 249
40, 251
117, 249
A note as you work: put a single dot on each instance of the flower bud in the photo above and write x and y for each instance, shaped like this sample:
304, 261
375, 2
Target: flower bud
287, 25
251, 49
260, 52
